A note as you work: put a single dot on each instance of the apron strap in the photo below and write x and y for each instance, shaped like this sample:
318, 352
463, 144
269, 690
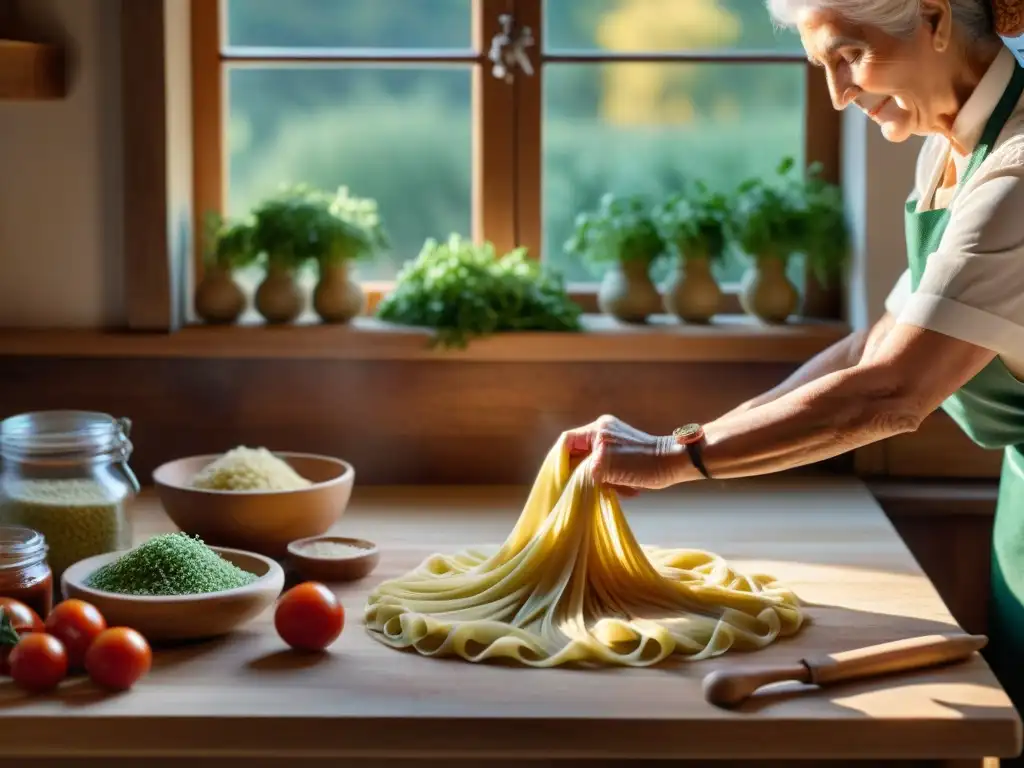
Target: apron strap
996, 122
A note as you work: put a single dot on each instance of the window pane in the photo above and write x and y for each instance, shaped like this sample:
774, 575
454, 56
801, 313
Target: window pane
663, 25
400, 135
646, 128
350, 23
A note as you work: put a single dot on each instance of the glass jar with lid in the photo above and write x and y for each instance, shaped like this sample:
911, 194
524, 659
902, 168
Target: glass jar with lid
24, 573
66, 476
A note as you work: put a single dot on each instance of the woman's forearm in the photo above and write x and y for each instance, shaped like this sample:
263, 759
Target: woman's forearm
905, 373
834, 414
845, 353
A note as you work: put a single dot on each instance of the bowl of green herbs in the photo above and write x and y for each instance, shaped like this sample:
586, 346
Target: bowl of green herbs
174, 588
464, 290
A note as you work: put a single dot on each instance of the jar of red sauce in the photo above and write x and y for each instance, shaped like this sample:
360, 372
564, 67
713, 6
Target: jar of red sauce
24, 573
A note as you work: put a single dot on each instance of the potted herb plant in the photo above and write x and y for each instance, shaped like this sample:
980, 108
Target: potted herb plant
768, 224
693, 225
287, 231
622, 236
352, 230
826, 244
227, 246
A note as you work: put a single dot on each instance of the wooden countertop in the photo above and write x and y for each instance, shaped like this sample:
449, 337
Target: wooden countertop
246, 695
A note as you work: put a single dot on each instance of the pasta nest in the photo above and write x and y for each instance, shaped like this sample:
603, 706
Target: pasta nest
571, 585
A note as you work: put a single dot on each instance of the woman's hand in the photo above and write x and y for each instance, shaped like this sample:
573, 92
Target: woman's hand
625, 458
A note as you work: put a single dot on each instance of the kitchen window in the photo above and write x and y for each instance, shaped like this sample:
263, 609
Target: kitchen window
400, 101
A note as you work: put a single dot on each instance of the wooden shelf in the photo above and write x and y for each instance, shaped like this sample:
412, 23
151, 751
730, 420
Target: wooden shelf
31, 71
729, 339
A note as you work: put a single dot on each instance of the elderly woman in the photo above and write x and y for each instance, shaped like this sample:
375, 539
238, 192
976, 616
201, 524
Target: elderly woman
953, 333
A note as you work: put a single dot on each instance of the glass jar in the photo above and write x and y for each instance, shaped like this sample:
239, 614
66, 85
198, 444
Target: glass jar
66, 476
24, 573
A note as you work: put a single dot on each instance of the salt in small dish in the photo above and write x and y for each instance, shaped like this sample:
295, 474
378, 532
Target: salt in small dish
333, 558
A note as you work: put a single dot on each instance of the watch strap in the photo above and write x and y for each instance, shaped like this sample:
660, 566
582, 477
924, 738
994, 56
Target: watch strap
691, 436
697, 458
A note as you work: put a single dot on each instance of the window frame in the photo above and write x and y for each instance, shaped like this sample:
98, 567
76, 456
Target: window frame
507, 125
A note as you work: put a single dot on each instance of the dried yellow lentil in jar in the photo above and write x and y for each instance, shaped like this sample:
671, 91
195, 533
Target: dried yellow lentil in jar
66, 475
78, 517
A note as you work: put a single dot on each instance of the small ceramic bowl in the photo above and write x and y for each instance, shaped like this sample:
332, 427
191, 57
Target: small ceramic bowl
357, 559
256, 521
181, 617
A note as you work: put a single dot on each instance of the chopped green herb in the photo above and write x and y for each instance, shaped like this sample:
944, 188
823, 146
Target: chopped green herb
8, 634
168, 565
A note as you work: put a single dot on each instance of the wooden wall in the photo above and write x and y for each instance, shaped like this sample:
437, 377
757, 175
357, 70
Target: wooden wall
939, 449
470, 421
396, 421
939, 490
947, 525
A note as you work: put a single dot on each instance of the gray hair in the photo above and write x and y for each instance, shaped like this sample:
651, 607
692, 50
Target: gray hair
898, 18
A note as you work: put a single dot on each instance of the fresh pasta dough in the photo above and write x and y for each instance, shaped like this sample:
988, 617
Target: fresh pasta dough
572, 585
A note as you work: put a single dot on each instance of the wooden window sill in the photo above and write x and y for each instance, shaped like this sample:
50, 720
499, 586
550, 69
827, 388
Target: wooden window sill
729, 339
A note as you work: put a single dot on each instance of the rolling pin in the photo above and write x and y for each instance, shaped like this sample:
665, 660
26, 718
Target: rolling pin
730, 687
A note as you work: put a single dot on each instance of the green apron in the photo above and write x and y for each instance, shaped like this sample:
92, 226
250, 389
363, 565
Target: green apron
990, 410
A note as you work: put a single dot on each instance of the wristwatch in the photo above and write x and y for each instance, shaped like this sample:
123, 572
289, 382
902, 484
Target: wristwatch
691, 436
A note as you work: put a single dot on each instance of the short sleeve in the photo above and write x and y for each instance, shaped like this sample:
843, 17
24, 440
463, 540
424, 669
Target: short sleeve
899, 295
973, 285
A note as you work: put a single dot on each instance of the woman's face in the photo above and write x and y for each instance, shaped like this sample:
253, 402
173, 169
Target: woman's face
903, 84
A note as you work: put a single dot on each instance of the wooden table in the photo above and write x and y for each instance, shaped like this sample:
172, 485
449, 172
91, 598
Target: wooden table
245, 697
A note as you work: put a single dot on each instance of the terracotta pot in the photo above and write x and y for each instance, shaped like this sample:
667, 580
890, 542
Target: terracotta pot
823, 301
278, 298
338, 298
628, 293
219, 299
767, 293
693, 294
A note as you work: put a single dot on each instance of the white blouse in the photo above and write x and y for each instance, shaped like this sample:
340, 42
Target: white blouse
973, 286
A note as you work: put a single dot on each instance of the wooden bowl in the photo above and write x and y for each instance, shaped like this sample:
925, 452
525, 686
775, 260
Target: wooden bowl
256, 521
184, 617
334, 569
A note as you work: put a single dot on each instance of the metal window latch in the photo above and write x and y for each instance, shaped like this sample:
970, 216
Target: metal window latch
508, 50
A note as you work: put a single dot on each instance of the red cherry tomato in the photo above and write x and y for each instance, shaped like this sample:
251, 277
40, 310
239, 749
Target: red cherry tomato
38, 662
309, 617
5, 655
21, 616
16, 619
118, 658
76, 624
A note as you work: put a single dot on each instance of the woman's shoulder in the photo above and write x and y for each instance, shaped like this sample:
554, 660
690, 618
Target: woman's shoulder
1009, 148
986, 211
1006, 158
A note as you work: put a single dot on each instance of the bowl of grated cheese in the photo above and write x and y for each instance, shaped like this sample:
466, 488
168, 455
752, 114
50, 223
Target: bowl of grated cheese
254, 499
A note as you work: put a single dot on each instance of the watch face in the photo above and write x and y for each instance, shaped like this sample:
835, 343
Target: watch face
688, 433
